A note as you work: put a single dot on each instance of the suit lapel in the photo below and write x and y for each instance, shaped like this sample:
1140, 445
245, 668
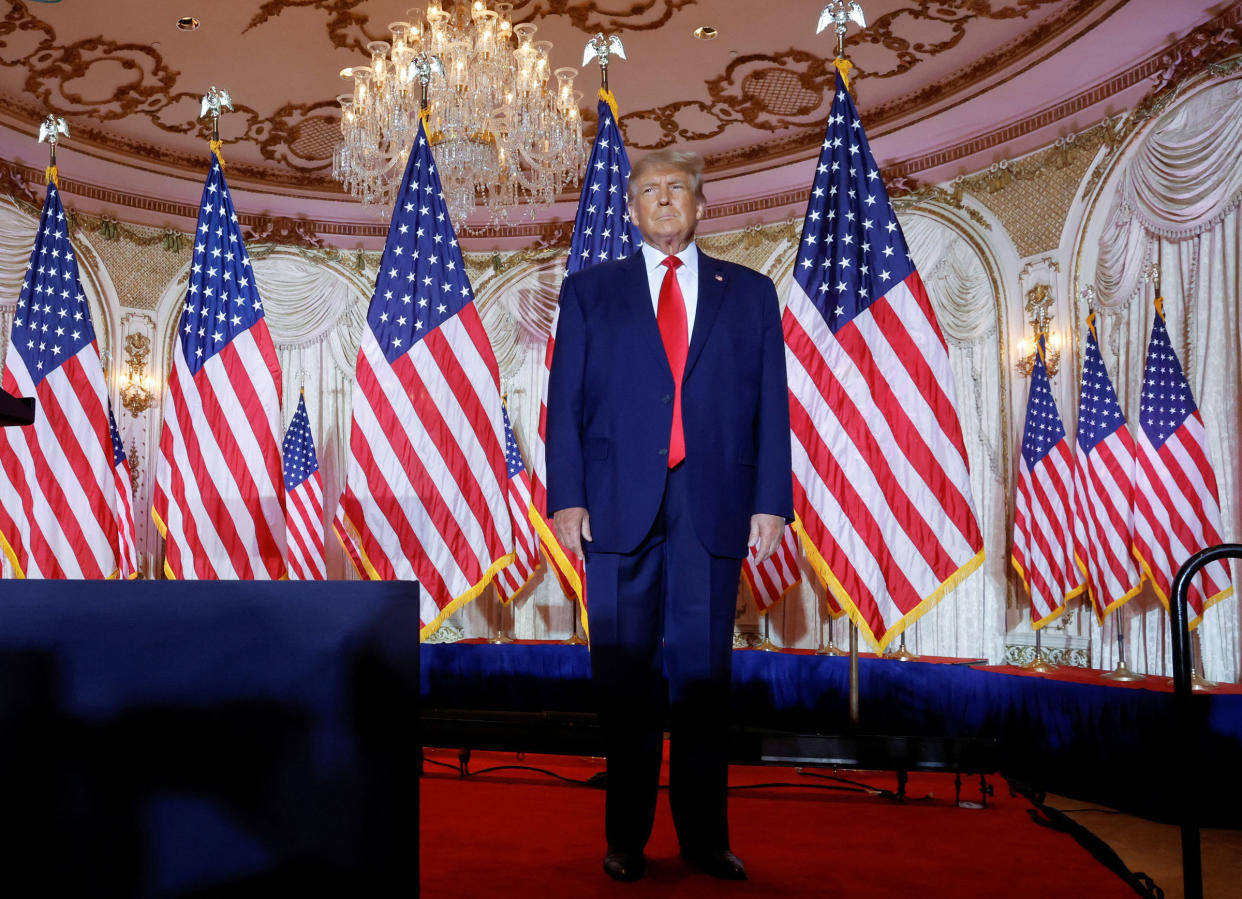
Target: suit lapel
712, 281
636, 291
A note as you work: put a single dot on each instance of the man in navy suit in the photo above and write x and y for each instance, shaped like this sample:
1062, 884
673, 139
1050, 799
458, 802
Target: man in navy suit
668, 459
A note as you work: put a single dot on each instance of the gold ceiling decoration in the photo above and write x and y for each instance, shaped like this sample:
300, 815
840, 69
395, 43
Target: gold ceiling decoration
775, 91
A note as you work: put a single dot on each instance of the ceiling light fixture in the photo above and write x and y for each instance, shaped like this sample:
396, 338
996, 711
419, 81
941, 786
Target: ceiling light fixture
187, 23
504, 132
706, 33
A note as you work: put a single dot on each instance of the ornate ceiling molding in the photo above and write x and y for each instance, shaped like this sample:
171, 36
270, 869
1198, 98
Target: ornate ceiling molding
792, 88
767, 92
15, 181
284, 231
132, 80
353, 30
782, 94
1194, 54
603, 15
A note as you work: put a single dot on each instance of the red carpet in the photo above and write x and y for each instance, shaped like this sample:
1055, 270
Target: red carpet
517, 833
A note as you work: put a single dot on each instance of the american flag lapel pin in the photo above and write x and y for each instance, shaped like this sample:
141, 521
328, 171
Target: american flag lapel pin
719, 277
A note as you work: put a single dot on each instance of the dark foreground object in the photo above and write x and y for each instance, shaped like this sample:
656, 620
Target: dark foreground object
208, 738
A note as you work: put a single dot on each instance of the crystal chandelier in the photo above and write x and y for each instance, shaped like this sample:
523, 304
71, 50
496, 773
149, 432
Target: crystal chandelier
503, 131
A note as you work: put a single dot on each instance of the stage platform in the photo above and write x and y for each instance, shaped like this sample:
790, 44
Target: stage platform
1068, 733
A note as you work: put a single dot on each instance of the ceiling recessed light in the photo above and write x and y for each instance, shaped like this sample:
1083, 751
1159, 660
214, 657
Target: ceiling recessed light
706, 33
187, 23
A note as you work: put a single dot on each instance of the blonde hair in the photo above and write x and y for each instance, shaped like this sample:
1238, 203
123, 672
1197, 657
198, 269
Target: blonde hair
683, 160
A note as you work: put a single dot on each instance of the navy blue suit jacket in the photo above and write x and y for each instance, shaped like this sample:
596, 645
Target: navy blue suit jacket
610, 405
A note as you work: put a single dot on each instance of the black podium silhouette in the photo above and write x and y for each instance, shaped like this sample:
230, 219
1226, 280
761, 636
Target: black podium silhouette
15, 410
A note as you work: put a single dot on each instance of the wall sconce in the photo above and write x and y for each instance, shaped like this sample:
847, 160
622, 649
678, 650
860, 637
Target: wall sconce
1039, 304
137, 387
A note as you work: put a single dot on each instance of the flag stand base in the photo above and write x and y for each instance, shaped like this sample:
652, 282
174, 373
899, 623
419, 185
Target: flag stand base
767, 645
575, 639
1123, 674
1040, 665
1199, 682
901, 654
830, 650
501, 636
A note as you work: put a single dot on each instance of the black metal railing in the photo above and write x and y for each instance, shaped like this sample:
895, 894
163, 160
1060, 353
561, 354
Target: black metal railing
1192, 862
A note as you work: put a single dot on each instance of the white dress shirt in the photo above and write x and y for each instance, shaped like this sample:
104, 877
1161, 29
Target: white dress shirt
687, 280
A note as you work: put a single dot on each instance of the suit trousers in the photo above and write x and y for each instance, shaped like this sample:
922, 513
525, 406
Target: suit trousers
661, 621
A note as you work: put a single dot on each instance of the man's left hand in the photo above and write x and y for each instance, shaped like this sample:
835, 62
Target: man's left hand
765, 535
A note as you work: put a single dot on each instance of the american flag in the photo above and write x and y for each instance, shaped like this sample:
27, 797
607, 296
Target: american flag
602, 231
881, 484
1043, 539
426, 476
303, 499
513, 578
1176, 504
58, 512
128, 555
219, 499
1103, 488
779, 573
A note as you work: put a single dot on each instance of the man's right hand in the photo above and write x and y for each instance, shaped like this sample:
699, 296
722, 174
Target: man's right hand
572, 526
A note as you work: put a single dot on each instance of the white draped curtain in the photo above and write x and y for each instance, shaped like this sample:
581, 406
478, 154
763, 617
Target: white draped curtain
970, 621
316, 313
1175, 203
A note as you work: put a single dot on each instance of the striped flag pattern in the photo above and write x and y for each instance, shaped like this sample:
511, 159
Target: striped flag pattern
1176, 504
219, 498
779, 573
1043, 539
126, 538
58, 502
602, 231
425, 488
881, 484
512, 578
303, 499
1103, 488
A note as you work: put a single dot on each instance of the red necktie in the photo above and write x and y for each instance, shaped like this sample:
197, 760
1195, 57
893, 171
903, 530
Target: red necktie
671, 317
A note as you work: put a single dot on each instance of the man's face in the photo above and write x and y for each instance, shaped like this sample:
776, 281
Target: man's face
665, 208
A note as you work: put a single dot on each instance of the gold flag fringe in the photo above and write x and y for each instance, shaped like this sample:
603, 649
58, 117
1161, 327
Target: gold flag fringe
844, 66
608, 97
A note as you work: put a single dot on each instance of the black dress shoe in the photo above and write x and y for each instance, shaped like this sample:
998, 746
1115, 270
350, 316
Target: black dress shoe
718, 863
625, 866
